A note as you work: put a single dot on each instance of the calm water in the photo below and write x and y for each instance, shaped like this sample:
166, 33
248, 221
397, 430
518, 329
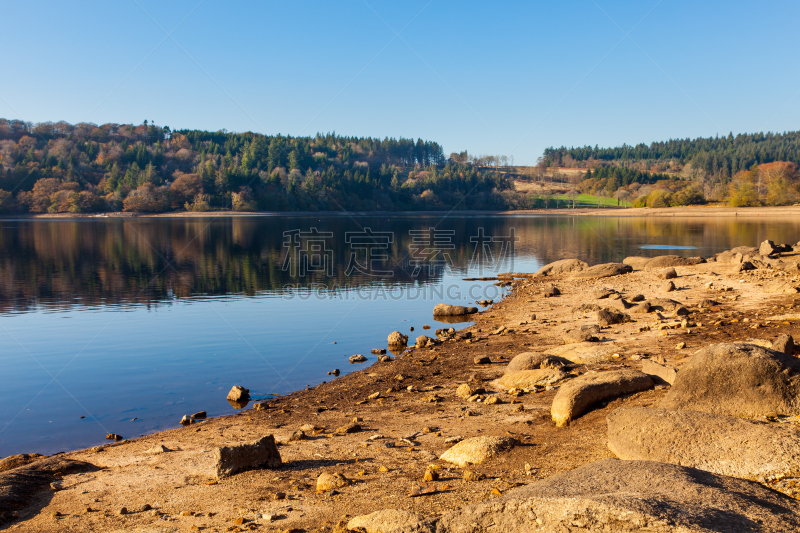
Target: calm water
123, 326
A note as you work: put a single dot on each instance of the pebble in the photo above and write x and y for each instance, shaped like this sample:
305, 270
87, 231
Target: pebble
469, 475
123, 510
357, 358
431, 475
187, 513
482, 360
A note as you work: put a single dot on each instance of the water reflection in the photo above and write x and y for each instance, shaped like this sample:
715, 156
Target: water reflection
48, 264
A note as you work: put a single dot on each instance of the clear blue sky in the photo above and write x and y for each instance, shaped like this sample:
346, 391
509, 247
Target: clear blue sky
493, 78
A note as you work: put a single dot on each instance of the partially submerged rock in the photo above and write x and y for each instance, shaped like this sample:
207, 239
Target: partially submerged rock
604, 270
262, 453
453, 310
738, 380
715, 443
476, 450
357, 358
528, 379
576, 397
396, 338
624, 496
238, 394
559, 268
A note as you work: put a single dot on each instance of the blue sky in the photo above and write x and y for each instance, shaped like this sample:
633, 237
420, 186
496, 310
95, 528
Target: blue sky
506, 78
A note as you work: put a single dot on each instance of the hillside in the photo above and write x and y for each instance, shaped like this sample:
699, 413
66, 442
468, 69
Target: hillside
742, 170
58, 167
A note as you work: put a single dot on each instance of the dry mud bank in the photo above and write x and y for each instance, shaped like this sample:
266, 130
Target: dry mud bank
609, 346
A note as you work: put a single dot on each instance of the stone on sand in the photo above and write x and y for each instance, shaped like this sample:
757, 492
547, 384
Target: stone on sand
476, 450
577, 396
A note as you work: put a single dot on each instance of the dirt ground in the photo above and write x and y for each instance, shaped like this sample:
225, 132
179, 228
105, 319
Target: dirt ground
416, 412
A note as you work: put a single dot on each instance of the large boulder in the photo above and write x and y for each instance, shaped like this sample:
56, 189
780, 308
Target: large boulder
262, 453
741, 380
528, 379
559, 268
664, 261
476, 450
605, 270
390, 521
715, 443
534, 360
767, 248
637, 262
22, 486
453, 310
576, 397
625, 496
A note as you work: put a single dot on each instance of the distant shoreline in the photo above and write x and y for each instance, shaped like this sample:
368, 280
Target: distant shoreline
684, 211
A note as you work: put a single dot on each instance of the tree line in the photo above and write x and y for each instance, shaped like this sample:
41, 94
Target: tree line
61, 167
743, 170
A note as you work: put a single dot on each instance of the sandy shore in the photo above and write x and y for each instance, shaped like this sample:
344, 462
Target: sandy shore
686, 211
409, 414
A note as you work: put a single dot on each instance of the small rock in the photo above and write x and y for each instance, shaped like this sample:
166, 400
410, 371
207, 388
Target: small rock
374, 396
357, 358
680, 345
492, 400
123, 510
336, 372
482, 360
202, 415
384, 358
145, 507
465, 390
668, 273
638, 298
607, 317
352, 427
187, 420
326, 481
378, 351
159, 449
470, 475
476, 450
298, 436
431, 475
397, 339
114, 437
262, 453
668, 287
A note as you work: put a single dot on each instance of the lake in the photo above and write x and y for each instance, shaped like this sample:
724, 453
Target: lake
123, 325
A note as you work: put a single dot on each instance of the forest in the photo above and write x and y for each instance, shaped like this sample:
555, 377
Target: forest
59, 167
743, 170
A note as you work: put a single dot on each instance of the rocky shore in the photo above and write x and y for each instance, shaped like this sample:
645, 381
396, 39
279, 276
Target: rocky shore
656, 394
